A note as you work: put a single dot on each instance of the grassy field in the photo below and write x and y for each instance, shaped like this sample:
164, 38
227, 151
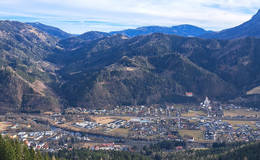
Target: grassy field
235, 123
241, 112
4, 126
193, 114
124, 118
194, 120
197, 134
119, 132
108, 119
102, 120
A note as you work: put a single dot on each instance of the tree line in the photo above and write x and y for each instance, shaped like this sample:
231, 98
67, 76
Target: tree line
13, 149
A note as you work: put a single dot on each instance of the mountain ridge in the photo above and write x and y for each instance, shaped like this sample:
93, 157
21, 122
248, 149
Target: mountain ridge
139, 48
25, 74
53, 31
180, 30
250, 28
40, 72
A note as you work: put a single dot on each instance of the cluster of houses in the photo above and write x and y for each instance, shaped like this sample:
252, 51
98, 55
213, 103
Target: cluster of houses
92, 125
156, 122
153, 110
87, 124
37, 140
115, 124
150, 127
160, 121
229, 134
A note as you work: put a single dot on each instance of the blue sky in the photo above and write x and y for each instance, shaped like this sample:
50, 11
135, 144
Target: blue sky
79, 16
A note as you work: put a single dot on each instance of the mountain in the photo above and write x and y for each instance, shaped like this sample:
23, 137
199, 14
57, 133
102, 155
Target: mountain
77, 41
181, 30
25, 76
158, 68
93, 35
52, 31
250, 28
38, 72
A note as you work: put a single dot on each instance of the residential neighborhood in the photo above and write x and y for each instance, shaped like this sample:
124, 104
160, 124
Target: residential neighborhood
125, 127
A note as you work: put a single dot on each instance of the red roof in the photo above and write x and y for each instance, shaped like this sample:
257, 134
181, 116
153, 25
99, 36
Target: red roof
189, 94
179, 147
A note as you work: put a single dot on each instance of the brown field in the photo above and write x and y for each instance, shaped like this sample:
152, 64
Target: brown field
197, 134
181, 106
102, 120
123, 118
194, 120
241, 112
108, 119
193, 114
4, 126
234, 123
120, 132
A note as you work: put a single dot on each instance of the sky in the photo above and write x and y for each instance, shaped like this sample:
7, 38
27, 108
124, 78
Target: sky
79, 16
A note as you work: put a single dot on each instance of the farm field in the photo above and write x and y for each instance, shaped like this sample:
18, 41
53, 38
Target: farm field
119, 132
102, 120
241, 112
108, 119
197, 134
193, 114
4, 126
237, 123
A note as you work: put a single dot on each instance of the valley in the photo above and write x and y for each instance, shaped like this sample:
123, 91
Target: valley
125, 127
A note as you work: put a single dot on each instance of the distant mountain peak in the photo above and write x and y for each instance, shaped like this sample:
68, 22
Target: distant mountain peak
53, 31
180, 30
250, 28
92, 35
256, 16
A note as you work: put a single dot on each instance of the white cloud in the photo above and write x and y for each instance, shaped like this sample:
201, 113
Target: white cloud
210, 14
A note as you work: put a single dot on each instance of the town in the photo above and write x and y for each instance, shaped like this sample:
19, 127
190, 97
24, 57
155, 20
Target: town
132, 127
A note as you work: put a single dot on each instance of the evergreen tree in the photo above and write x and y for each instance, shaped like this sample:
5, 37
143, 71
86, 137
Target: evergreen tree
26, 153
14, 150
32, 154
18, 150
2, 150
39, 156
9, 150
